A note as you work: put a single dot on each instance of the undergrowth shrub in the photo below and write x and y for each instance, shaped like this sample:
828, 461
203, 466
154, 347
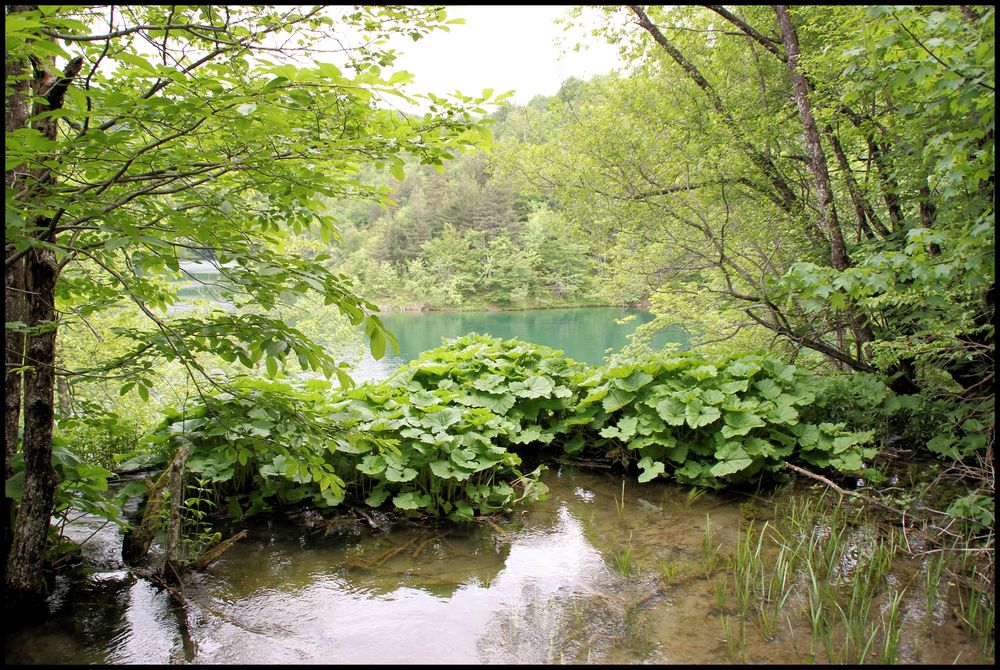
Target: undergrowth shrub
447, 433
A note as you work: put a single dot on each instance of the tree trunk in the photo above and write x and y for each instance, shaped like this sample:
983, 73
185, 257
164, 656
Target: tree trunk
13, 361
863, 210
810, 132
25, 575
15, 117
137, 540
784, 197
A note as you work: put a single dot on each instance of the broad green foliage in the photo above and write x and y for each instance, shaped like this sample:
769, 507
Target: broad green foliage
691, 171
712, 422
82, 488
448, 432
217, 141
139, 137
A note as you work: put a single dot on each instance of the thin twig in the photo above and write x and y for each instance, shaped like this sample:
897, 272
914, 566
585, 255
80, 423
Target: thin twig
840, 490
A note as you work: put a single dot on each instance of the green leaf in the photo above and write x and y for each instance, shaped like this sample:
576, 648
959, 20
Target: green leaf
616, 399
783, 414
740, 423
713, 396
575, 444
650, 469
394, 474
377, 340
703, 372
624, 430
697, 414
424, 399
732, 458
442, 419
768, 388
411, 500
533, 387
446, 470
943, 446
499, 404
463, 511
396, 168
634, 381
672, 411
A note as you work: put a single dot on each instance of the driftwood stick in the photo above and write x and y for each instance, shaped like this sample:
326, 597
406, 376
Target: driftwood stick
456, 551
820, 478
642, 600
175, 485
367, 517
213, 554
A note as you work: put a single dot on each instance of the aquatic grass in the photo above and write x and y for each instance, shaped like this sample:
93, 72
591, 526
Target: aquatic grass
842, 566
693, 495
856, 635
620, 504
747, 565
636, 634
831, 551
846, 572
735, 637
762, 582
817, 598
891, 626
934, 576
709, 550
766, 622
855, 619
621, 559
884, 553
976, 600
720, 588
988, 631
670, 570
775, 590
976, 611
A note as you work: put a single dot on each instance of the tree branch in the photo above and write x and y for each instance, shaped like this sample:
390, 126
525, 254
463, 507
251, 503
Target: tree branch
787, 197
765, 41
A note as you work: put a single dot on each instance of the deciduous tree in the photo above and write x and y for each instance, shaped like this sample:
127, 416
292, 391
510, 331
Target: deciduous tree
139, 135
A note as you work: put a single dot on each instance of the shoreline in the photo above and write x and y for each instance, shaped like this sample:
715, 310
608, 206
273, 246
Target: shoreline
417, 307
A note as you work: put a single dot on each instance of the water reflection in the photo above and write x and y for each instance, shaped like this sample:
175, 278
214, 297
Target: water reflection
538, 587
442, 599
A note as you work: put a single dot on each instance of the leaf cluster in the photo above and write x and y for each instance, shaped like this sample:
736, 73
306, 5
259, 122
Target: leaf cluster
447, 434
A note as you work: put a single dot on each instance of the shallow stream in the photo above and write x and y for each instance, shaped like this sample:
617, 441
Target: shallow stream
549, 584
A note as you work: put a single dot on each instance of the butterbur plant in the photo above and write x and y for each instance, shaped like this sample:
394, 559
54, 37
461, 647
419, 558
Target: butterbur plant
448, 432
712, 422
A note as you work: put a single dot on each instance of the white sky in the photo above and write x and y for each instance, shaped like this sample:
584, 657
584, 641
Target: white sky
503, 48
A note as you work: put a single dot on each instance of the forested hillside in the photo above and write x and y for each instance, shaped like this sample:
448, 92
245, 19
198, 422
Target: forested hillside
463, 236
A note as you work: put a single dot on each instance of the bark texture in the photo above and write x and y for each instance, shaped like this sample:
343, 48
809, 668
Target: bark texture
25, 559
811, 138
